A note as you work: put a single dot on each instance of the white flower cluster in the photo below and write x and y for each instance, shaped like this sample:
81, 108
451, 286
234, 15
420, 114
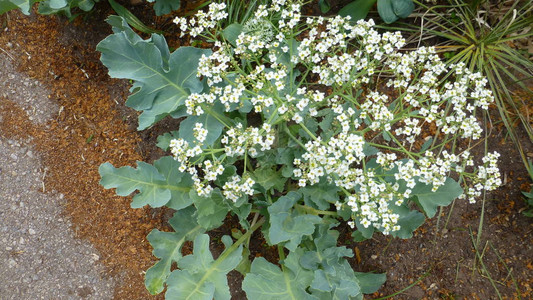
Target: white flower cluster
488, 177
238, 141
203, 21
238, 187
359, 80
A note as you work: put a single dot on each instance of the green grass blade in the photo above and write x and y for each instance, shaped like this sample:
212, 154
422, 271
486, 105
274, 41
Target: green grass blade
131, 18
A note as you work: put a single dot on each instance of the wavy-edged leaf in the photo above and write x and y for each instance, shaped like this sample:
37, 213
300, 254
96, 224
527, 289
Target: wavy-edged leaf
167, 247
155, 188
200, 277
320, 195
267, 282
409, 221
288, 225
429, 201
333, 277
161, 86
212, 210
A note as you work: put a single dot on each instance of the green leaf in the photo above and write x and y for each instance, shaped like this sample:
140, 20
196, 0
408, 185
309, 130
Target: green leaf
333, 276
160, 85
409, 221
210, 123
163, 141
200, 277
320, 195
267, 282
269, 178
23, 5
155, 189
167, 247
403, 8
179, 183
386, 11
163, 7
212, 210
324, 6
231, 33
7, 5
429, 201
358, 9
370, 282
287, 225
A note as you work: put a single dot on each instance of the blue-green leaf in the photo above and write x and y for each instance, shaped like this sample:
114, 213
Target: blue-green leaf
409, 221
320, 195
200, 277
160, 87
333, 276
403, 8
155, 189
429, 201
163, 7
231, 33
163, 141
211, 210
370, 282
267, 282
386, 11
288, 225
167, 247
211, 124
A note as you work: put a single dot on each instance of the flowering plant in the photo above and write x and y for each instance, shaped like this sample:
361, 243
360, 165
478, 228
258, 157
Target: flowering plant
295, 125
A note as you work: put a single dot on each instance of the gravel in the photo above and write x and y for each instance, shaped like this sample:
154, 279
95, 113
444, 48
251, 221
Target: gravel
40, 257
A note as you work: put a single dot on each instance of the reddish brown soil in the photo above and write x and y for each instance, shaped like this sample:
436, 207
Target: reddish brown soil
95, 127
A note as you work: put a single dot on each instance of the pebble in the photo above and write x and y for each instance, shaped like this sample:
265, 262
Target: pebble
13, 156
31, 231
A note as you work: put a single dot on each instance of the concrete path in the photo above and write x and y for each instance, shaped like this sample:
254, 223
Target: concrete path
39, 256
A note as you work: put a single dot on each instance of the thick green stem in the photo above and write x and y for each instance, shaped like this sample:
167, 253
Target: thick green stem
316, 211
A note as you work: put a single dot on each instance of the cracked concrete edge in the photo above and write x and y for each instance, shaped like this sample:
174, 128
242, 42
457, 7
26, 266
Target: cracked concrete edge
40, 257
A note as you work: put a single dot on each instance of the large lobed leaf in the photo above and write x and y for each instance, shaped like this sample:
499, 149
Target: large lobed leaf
200, 277
267, 282
167, 247
162, 80
288, 225
429, 201
158, 184
333, 278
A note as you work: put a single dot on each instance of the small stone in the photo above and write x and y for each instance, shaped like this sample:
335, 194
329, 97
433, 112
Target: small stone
374, 256
31, 231
11, 263
29, 154
13, 156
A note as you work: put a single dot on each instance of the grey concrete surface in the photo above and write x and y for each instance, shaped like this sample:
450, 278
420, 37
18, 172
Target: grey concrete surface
40, 258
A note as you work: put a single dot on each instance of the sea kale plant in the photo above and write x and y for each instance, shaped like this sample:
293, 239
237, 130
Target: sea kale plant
300, 127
